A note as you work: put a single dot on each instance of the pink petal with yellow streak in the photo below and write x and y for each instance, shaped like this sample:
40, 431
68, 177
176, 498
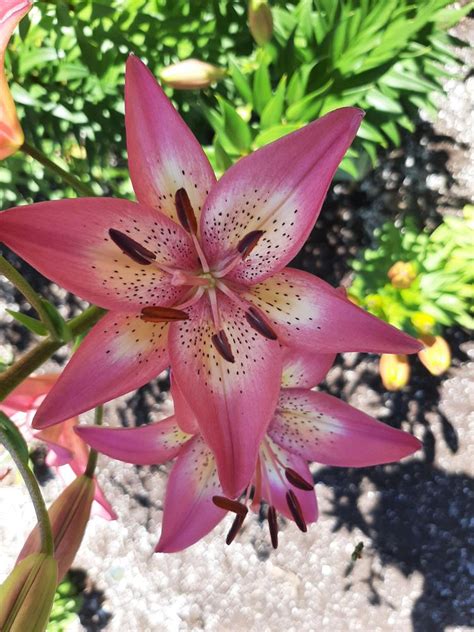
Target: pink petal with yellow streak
233, 402
189, 513
310, 314
68, 241
304, 369
322, 428
163, 153
278, 189
154, 443
119, 354
279, 485
11, 134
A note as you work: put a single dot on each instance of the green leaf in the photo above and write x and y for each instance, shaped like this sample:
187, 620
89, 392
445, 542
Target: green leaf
274, 133
241, 82
308, 108
262, 88
236, 129
63, 332
32, 324
15, 437
383, 103
273, 111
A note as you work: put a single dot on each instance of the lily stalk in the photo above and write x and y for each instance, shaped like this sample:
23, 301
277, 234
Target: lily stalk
46, 534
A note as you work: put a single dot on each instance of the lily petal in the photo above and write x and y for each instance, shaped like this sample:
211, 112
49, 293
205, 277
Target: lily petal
322, 428
68, 241
279, 486
233, 401
278, 189
163, 153
155, 443
184, 414
11, 134
120, 353
310, 314
304, 369
189, 513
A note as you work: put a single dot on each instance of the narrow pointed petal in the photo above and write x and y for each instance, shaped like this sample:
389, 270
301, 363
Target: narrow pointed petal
233, 402
311, 315
155, 443
26, 395
183, 413
304, 369
189, 513
120, 353
69, 242
64, 445
279, 485
279, 189
163, 154
11, 134
322, 428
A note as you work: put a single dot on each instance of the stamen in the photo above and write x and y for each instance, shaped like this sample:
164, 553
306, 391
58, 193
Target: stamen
185, 211
131, 248
162, 314
230, 505
235, 528
273, 526
248, 243
298, 481
256, 320
295, 510
222, 345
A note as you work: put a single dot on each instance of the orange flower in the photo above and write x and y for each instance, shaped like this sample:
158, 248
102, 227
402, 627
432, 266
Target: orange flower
402, 275
11, 134
394, 371
436, 356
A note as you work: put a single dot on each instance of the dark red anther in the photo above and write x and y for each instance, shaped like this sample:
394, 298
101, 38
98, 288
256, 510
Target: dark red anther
162, 314
185, 211
295, 510
230, 505
248, 243
235, 528
273, 526
222, 345
256, 320
298, 481
131, 248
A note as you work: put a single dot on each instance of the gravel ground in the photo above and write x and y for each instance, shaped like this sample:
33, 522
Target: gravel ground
413, 518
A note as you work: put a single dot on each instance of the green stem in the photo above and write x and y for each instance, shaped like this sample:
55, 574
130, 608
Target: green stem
92, 460
47, 542
28, 292
36, 356
67, 177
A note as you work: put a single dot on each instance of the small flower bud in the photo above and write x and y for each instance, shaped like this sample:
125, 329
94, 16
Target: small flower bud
423, 323
260, 21
69, 515
394, 371
26, 596
436, 356
402, 275
191, 74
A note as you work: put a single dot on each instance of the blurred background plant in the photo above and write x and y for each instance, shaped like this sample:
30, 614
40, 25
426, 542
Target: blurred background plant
285, 65
420, 282
66, 606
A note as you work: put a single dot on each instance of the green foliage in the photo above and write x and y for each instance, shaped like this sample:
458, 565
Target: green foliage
66, 69
442, 291
385, 57
66, 605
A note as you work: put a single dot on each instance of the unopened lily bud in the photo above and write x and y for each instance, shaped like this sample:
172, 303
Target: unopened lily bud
26, 596
423, 323
260, 21
402, 274
191, 74
394, 371
68, 515
436, 356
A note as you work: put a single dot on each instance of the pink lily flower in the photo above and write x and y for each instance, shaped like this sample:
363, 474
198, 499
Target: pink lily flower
11, 134
194, 274
67, 452
306, 426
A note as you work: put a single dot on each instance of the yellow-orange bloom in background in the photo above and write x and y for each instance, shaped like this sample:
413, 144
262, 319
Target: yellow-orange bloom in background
11, 134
